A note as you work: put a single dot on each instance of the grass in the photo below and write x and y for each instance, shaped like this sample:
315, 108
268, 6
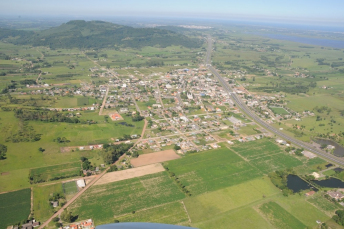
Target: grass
69, 189
212, 170
55, 172
279, 217
103, 202
266, 156
279, 110
323, 204
41, 205
15, 207
171, 213
208, 205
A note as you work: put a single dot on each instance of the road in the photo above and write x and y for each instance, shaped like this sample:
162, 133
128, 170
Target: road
104, 101
258, 120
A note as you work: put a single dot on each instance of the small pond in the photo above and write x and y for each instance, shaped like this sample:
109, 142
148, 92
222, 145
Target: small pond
330, 183
296, 184
338, 151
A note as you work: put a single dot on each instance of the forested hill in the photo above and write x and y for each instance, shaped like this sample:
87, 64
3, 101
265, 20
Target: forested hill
97, 34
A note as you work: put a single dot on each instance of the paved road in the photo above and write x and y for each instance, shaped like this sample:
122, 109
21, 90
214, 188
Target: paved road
251, 114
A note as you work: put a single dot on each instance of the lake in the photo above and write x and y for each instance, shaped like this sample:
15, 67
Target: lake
307, 40
338, 151
296, 184
330, 183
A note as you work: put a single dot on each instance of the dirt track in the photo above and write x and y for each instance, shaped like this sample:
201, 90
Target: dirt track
152, 158
130, 173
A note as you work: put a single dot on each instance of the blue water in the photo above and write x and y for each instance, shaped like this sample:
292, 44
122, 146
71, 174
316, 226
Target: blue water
306, 40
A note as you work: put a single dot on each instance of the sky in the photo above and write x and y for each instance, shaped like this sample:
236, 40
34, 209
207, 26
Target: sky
312, 11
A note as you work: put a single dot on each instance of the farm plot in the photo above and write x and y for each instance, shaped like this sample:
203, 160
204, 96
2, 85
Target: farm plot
14, 207
54, 172
323, 204
41, 205
130, 173
69, 189
279, 217
152, 158
266, 156
171, 213
212, 204
103, 202
212, 170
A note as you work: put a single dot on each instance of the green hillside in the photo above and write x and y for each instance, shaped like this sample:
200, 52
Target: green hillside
97, 34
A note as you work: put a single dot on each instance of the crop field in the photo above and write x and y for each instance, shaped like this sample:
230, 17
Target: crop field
14, 207
279, 110
212, 170
103, 202
171, 213
41, 205
209, 205
279, 217
323, 204
69, 188
266, 156
55, 172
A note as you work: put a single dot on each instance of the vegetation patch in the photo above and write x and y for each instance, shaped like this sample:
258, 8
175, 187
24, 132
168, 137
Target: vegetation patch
54, 172
279, 217
14, 207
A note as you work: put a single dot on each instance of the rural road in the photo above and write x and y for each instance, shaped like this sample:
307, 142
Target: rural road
88, 185
251, 114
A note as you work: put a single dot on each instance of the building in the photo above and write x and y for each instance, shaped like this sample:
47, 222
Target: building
81, 183
335, 194
311, 193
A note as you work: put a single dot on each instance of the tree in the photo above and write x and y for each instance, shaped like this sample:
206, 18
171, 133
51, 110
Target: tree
41, 149
66, 216
176, 147
3, 150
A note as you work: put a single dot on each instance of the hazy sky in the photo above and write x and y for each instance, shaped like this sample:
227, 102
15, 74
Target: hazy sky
293, 10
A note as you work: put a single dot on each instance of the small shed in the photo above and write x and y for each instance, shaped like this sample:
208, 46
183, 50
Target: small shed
81, 183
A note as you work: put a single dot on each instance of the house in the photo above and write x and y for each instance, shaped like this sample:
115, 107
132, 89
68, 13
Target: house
335, 194
311, 193
316, 175
81, 183
54, 203
30, 224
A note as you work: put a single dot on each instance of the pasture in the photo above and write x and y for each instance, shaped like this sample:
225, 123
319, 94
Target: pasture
15, 207
105, 202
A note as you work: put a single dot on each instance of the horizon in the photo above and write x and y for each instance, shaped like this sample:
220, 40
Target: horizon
293, 12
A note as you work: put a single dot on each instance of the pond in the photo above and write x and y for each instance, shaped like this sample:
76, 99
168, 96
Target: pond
296, 184
330, 183
338, 151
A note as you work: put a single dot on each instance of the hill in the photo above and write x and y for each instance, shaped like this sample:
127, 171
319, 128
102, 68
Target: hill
97, 34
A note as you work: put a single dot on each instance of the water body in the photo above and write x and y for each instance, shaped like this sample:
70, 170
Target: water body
338, 151
296, 184
330, 183
307, 40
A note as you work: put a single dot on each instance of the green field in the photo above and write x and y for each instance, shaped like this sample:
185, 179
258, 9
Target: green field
279, 110
279, 217
41, 205
103, 202
15, 207
69, 189
55, 172
265, 155
323, 204
212, 170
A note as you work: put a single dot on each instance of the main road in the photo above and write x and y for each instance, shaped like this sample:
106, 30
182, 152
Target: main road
258, 120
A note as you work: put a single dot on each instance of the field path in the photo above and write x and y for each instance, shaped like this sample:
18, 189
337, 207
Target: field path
104, 101
88, 185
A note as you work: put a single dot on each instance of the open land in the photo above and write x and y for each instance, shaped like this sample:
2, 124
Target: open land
152, 158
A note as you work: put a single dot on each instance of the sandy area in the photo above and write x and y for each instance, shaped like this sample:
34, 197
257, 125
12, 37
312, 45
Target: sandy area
151, 158
130, 173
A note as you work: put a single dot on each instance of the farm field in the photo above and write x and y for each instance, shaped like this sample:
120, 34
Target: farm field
212, 170
279, 217
103, 202
171, 213
156, 157
55, 172
14, 207
69, 189
41, 205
